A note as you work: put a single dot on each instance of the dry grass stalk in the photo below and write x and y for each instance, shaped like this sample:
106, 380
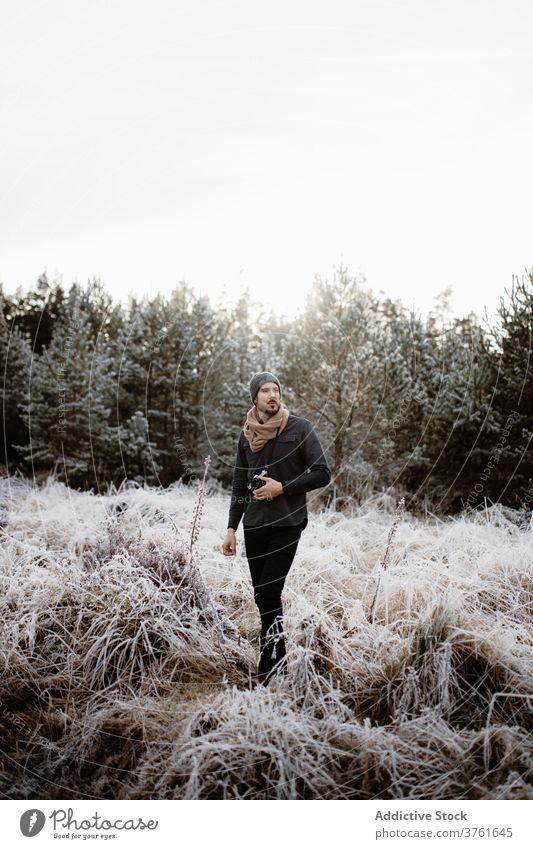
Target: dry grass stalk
385, 562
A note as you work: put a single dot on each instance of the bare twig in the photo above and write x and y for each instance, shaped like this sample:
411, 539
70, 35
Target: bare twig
385, 562
198, 508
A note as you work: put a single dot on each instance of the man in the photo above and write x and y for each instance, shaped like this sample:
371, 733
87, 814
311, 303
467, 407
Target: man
272, 505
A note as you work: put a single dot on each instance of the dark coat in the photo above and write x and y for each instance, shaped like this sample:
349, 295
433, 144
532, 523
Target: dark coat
295, 458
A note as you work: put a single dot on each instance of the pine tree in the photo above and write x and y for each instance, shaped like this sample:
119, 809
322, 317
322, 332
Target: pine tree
67, 411
329, 359
139, 456
226, 386
36, 312
512, 338
15, 359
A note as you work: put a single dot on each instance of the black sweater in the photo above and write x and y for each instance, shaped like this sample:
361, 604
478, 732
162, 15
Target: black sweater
295, 459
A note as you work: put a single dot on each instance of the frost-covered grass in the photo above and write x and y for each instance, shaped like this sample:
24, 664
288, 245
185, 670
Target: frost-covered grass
125, 665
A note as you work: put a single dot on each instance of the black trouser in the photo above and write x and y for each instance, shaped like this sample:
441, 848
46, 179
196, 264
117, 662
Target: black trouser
270, 551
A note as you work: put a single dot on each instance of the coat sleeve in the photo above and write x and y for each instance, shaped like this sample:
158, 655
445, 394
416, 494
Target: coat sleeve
239, 488
317, 472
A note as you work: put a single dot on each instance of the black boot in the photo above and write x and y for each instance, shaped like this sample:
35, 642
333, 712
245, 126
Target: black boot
272, 650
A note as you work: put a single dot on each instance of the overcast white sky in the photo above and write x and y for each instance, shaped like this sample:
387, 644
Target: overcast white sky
242, 143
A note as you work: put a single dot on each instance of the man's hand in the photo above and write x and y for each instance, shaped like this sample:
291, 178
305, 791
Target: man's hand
229, 546
270, 490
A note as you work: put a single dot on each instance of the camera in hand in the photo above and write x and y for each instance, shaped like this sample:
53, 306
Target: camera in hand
255, 483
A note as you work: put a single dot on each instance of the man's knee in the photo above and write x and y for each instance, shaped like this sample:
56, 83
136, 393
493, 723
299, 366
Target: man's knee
268, 602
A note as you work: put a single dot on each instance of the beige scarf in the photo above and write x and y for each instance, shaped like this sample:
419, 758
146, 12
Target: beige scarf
258, 433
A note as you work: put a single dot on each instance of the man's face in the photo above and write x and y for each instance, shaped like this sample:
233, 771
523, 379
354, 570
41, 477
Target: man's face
268, 399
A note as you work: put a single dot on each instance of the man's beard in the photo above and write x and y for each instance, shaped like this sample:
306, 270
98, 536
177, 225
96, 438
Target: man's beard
270, 409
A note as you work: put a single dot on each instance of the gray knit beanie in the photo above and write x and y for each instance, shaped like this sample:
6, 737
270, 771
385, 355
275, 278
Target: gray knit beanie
258, 380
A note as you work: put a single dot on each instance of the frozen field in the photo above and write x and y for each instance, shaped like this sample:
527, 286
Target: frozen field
125, 664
